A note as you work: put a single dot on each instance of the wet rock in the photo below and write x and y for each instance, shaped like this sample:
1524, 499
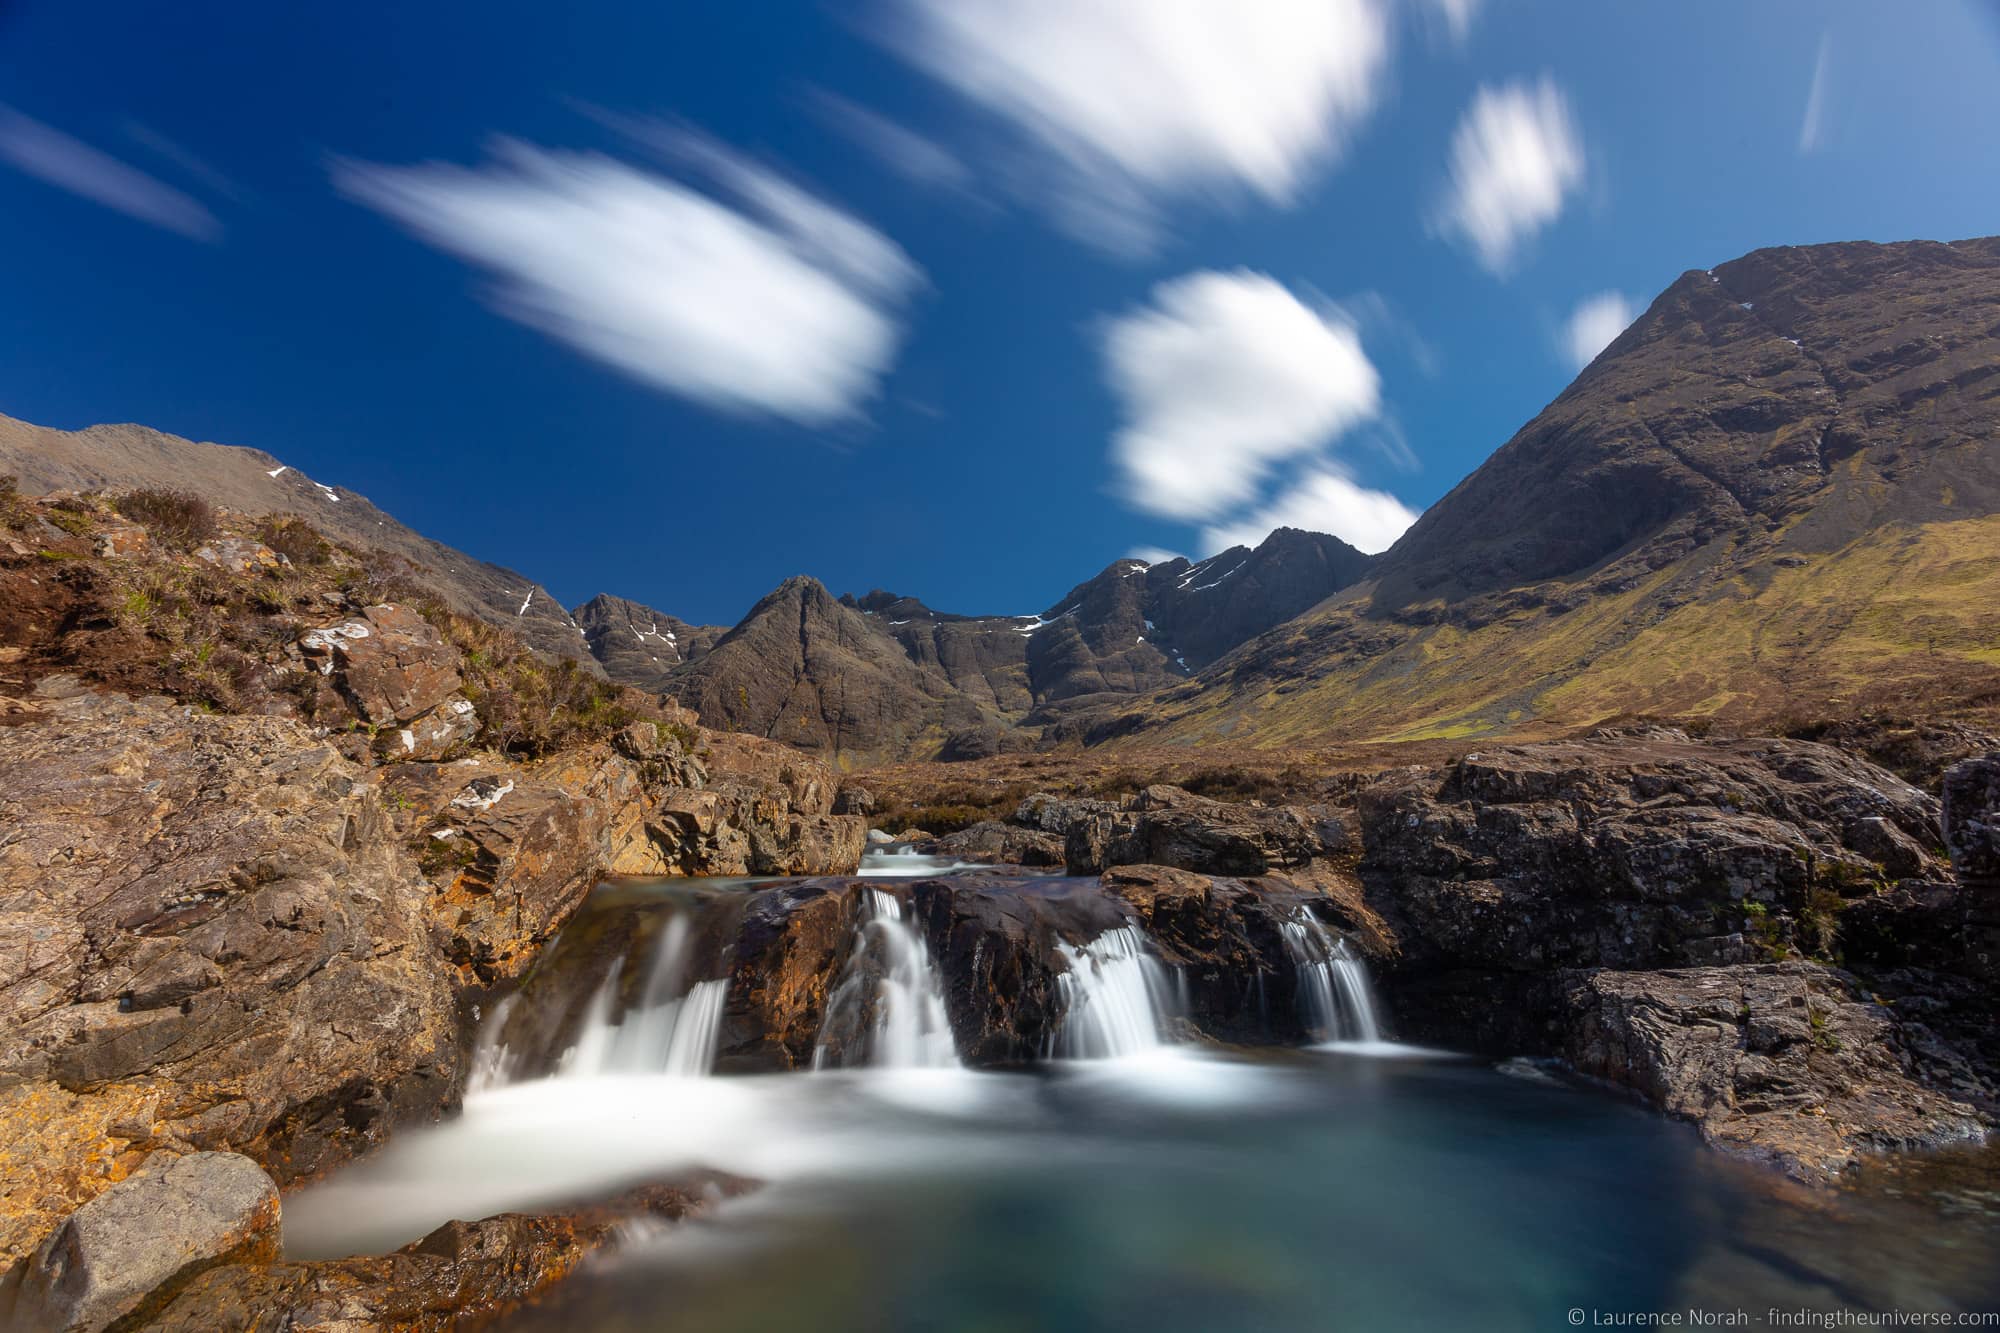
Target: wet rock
787, 954
1789, 1063
389, 664
1056, 814
211, 937
133, 1245
460, 1275
854, 801
993, 942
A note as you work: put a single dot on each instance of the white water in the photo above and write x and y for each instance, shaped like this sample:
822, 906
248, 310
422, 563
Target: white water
1339, 1004
673, 1029
890, 968
1116, 997
903, 863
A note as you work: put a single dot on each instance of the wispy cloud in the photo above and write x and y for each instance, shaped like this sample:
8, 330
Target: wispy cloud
1124, 104
1812, 126
1153, 555
1591, 327
1218, 378
1515, 159
1455, 17
49, 155
1324, 500
910, 155
190, 165
775, 303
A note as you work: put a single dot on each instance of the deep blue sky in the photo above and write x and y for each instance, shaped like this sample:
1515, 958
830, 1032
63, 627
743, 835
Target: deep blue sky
978, 472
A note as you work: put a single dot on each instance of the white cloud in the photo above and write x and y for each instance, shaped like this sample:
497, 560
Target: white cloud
1812, 127
1218, 378
1515, 159
1454, 16
70, 164
1324, 500
780, 304
1129, 102
1153, 555
1593, 324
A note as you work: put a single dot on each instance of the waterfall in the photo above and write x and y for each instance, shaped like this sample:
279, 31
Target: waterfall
1115, 996
888, 1010
671, 1029
1334, 992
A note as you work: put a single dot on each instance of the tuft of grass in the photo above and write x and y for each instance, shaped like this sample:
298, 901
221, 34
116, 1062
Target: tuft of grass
179, 520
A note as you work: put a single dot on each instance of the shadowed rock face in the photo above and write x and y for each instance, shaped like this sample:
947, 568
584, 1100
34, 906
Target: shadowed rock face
1775, 493
638, 645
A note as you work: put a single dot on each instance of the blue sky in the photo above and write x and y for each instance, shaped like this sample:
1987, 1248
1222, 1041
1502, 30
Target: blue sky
961, 298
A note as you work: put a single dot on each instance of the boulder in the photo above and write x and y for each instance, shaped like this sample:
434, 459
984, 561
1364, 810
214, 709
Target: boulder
137, 1242
1167, 826
854, 801
211, 937
1788, 1063
389, 664
994, 843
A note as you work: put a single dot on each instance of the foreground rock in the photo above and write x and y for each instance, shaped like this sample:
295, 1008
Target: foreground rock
219, 933
210, 938
1790, 1063
1645, 905
139, 1242
460, 1275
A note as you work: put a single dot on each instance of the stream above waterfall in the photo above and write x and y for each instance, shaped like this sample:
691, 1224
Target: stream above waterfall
1134, 1178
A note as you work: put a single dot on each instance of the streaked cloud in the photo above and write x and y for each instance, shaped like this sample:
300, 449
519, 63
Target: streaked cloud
1219, 377
1812, 126
185, 160
1324, 500
910, 155
1454, 17
1123, 105
1153, 555
1515, 160
67, 163
1591, 327
758, 298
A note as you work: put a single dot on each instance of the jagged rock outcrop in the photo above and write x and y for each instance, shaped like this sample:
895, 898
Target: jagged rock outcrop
885, 676
213, 939
1647, 906
1773, 499
1166, 826
638, 645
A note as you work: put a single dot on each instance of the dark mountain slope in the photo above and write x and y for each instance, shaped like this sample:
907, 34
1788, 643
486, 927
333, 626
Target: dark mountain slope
886, 677
638, 645
1777, 494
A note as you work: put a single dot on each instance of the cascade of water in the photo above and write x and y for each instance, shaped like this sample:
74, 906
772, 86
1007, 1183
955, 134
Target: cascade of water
890, 974
1334, 992
671, 1030
492, 1063
1116, 996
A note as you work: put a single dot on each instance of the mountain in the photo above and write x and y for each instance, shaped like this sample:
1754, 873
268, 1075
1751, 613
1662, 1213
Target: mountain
253, 482
638, 645
1775, 497
885, 676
